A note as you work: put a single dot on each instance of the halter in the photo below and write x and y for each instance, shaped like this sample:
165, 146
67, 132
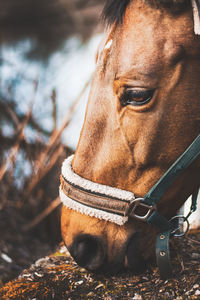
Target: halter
116, 205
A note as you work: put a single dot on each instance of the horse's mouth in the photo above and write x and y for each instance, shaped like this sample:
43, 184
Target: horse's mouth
91, 253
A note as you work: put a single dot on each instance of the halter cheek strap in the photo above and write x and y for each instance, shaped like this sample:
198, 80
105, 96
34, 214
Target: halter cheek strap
165, 227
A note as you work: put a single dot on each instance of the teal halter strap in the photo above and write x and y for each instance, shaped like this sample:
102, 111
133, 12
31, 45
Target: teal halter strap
181, 164
167, 228
162, 241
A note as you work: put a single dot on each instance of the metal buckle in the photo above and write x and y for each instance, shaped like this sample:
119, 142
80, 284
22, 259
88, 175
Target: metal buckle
134, 204
177, 222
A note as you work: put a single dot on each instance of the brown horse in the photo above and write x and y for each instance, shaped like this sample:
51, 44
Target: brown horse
143, 112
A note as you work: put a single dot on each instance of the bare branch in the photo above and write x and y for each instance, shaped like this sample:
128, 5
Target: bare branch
53, 205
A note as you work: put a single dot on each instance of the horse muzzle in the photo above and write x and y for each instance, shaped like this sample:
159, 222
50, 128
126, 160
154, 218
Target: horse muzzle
92, 253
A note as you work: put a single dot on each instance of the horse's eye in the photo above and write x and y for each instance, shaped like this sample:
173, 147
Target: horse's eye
136, 97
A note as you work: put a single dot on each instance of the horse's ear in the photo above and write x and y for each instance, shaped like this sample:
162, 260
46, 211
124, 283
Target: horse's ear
196, 15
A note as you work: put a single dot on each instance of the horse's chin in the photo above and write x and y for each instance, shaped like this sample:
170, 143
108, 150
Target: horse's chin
133, 258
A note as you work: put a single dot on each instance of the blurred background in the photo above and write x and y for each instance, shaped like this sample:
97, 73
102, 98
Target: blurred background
47, 57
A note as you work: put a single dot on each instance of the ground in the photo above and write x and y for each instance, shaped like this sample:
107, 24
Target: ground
58, 277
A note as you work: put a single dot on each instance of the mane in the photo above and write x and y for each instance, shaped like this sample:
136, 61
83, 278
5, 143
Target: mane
114, 10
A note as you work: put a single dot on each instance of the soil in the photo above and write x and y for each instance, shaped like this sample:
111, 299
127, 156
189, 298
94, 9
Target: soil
18, 249
58, 277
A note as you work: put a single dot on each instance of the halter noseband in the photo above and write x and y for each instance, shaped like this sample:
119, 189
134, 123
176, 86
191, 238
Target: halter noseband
116, 205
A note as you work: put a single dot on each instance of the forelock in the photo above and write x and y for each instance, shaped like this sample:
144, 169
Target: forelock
114, 10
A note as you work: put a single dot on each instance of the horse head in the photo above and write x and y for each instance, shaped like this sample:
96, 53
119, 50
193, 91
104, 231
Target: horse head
143, 112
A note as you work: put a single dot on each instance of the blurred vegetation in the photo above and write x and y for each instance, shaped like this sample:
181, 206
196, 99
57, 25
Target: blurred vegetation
27, 164
29, 180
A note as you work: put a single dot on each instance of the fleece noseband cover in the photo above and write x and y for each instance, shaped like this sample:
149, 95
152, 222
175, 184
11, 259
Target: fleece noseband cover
82, 195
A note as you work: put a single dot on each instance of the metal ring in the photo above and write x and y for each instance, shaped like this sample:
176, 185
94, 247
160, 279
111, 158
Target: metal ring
180, 226
134, 204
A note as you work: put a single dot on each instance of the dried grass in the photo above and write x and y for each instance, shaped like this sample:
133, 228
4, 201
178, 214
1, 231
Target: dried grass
39, 191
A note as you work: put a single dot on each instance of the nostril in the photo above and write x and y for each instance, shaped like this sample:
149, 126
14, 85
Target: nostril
88, 251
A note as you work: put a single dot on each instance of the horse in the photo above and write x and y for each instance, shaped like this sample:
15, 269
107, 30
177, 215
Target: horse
143, 112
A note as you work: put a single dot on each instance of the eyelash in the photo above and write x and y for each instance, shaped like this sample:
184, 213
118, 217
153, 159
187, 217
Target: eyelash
136, 97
